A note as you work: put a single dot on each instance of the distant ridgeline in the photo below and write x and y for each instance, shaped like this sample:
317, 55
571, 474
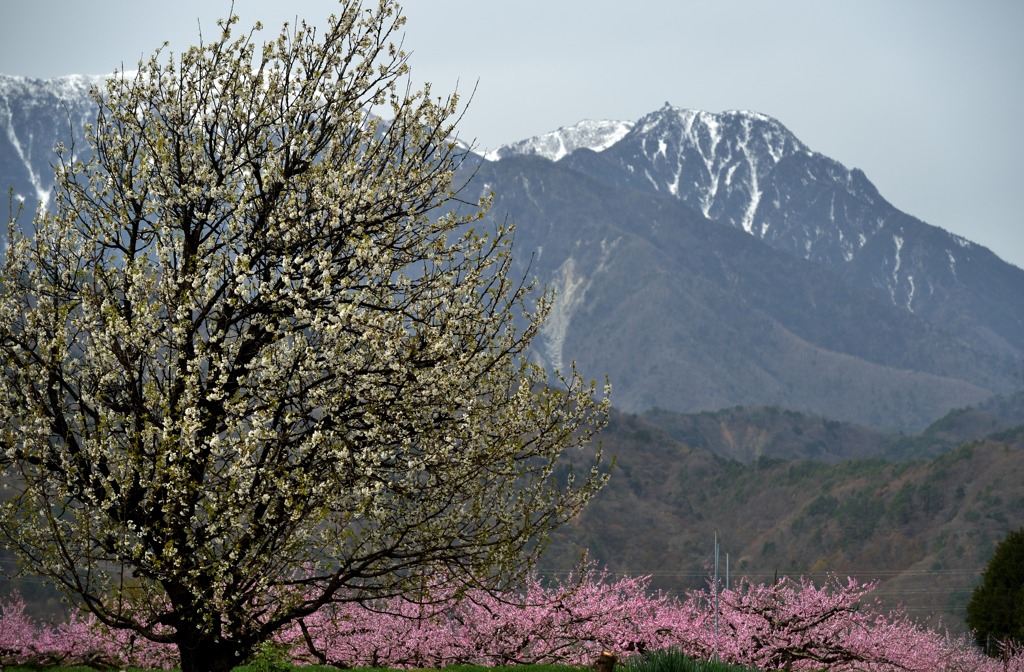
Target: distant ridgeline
702, 261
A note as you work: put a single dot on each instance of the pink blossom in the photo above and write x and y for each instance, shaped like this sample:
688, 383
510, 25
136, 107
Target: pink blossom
789, 624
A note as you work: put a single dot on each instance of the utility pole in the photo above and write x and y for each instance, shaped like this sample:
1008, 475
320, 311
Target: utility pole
716, 590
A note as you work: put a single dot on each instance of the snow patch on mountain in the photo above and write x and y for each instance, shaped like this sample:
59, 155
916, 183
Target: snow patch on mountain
597, 135
42, 193
570, 288
24, 105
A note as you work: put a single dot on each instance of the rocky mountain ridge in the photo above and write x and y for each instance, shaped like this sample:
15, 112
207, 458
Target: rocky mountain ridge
688, 315
595, 135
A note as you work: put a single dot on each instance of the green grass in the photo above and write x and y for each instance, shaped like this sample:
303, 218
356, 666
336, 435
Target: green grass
673, 661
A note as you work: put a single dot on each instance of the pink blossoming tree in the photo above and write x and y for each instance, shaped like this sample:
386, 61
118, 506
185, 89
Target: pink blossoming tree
787, 625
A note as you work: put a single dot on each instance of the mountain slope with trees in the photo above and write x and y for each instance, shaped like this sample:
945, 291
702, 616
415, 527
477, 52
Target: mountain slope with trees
923, 528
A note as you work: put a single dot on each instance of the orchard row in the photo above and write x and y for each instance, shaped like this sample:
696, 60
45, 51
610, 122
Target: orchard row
790, 624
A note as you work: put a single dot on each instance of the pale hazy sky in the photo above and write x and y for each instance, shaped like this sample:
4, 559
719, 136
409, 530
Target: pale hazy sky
925, 96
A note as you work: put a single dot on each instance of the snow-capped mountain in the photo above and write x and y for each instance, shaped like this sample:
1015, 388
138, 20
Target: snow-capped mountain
867, 310
750, 172
703, 261
588, 134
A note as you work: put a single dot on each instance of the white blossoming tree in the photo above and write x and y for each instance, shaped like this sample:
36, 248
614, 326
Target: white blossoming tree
251, 367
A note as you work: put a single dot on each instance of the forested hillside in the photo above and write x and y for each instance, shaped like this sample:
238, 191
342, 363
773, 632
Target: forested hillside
923, 528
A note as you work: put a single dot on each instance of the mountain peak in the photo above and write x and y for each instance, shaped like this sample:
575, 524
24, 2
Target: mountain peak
716, 162
706, 130
689, 115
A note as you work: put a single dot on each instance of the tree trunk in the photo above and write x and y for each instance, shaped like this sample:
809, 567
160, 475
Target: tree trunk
208, 654
605, 662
